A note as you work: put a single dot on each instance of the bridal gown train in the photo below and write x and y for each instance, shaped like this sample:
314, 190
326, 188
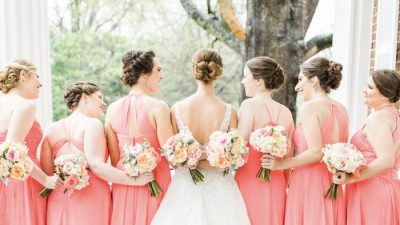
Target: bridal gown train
216, 201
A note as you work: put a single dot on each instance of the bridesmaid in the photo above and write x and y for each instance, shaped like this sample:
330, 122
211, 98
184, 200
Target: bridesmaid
82, 132
373, 197
265, 201
321, 120
131, 119
20, 202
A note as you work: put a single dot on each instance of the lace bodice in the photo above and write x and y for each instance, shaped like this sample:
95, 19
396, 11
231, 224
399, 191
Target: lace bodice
223, 127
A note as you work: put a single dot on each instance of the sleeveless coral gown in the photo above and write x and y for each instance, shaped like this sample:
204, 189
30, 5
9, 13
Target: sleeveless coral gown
89, 206
265, 201
375, 200
20, 202
305, 204
134, 204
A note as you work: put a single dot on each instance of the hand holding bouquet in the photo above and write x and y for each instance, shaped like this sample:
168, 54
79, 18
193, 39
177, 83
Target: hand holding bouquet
14, 162
71, 168
341, 157
142, 158
183, 150
270, 140
227, 151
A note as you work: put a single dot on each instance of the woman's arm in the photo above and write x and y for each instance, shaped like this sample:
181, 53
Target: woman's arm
290, 129
112, 139
163, 123
378, 130
312, 132
46, 157
246, 120
20, 124
95, 150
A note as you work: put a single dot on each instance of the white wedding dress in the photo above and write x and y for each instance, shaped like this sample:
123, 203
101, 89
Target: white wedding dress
216, 201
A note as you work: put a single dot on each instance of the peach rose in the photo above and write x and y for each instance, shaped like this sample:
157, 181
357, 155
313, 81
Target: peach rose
71, 182
18, 171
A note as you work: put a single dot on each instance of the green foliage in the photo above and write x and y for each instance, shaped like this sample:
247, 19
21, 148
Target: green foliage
86, 56
95, 56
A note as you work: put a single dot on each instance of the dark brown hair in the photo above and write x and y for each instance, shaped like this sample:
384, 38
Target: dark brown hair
328, 72
266, 68
207, 64
75, 91
135, 64
388, 83
9, 75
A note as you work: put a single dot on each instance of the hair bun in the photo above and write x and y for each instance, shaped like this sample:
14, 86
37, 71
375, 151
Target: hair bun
334, 74
207, 65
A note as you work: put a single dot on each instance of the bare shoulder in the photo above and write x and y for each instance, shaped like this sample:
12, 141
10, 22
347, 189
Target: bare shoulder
309, 107
92, 123
113, 106
157, 105
25, 106
248, 104
379, 118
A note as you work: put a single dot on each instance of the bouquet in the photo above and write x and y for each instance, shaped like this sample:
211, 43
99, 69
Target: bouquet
227, 151
341, 157
141, 158
183, 150
14, 162
269, 140
71, 168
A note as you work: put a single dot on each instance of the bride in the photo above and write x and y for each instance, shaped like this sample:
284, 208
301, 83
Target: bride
217, 200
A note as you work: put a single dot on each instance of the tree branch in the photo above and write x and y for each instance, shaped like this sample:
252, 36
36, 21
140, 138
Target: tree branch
317, 44
228, 14
211, 25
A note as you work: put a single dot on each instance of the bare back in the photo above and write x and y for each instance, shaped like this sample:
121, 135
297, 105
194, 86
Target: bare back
202, 115
332, 118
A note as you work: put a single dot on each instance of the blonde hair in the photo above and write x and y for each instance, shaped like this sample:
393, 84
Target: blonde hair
9, 75
207, 65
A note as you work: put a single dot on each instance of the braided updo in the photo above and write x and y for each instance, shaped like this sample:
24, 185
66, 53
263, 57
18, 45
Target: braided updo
9, 75
75, 91
328, 72
266, 68
136, 63
207, 64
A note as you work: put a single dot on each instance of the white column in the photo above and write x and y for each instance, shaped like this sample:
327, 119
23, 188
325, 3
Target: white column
24, 34
351, 47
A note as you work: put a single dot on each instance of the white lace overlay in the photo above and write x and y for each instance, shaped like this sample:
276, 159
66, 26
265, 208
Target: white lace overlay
216, 201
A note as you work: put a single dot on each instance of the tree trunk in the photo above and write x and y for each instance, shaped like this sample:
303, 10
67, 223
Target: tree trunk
274, 29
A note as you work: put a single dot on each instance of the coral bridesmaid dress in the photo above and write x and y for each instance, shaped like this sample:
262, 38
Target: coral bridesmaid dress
20, 202
89, 206
134, 204
375, 200
265, 201
305, 204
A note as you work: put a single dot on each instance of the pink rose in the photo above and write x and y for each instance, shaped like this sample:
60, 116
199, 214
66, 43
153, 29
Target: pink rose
192, 162
172, 141
12, 155
71, 182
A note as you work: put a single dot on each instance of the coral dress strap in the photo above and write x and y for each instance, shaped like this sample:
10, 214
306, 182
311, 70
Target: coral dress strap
272, 121
62, 141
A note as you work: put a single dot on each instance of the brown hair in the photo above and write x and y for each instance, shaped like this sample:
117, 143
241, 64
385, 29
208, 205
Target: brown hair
328, 72
75, 91
207, 64
388, 83
136, 63
266, 68
9, 75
